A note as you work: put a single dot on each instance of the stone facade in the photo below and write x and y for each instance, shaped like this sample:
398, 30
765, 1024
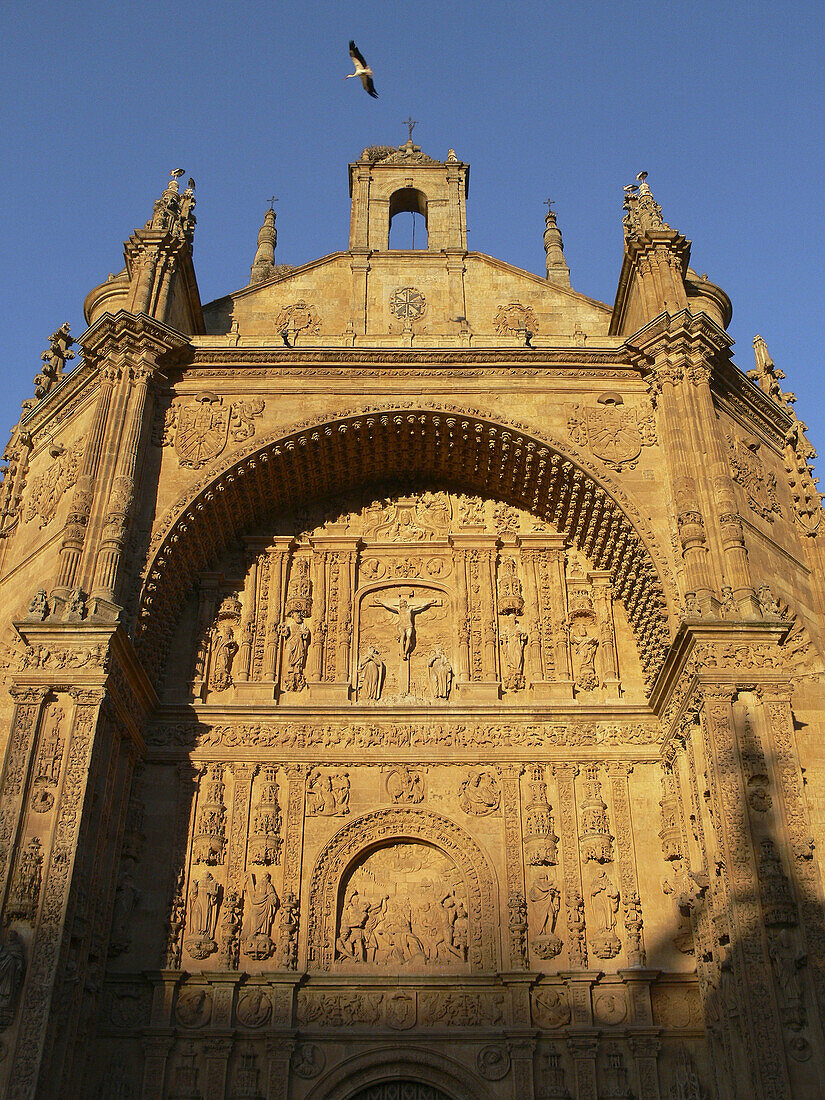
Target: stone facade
414, 681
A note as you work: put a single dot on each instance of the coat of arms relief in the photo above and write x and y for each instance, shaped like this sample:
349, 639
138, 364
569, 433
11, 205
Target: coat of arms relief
759, 484
613, 432
200, 429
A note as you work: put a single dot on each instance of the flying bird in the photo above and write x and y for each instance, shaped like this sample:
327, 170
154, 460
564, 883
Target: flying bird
362, 70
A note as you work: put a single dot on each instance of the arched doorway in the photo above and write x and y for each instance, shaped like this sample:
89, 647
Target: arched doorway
400, 1090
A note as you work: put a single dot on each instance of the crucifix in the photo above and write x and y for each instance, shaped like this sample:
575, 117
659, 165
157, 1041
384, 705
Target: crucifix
411, 124
406, 609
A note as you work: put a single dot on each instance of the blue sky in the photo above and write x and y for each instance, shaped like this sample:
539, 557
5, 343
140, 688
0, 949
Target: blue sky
722, 103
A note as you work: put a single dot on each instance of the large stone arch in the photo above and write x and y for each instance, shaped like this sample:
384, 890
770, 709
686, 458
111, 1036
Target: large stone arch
399, 824
467, 450
427, 1065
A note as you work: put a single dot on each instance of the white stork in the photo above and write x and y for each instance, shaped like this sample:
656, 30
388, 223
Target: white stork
362, 70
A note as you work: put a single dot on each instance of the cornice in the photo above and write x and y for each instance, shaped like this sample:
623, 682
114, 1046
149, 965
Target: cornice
741, 395
698, 632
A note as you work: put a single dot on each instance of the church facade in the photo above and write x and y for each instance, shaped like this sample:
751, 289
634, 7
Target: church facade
413, 680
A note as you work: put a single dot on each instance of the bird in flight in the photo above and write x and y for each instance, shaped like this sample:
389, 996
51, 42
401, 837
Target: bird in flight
362, 70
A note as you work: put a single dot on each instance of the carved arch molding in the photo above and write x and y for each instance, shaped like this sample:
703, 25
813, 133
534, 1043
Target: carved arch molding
448, 447
386, 827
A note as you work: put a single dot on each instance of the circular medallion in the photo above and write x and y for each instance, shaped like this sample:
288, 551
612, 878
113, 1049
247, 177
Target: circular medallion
408, 304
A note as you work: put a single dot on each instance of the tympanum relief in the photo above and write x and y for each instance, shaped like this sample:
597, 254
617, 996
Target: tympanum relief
404, 907
429, 598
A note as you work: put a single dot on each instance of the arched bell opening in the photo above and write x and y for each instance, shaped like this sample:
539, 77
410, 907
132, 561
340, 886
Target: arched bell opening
408, 232
316, 467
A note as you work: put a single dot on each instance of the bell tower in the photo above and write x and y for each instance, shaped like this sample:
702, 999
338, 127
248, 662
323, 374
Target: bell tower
387, 181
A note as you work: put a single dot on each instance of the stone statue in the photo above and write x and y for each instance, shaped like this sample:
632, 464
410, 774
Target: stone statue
585, 647
39, 606
262, 903
288, 933
204, 902
12, 969
371, 674
441, 673
127, 898
76, 607
224, 649
513, 642
406, 610
605, 899
730, 608
296, 636
546, 897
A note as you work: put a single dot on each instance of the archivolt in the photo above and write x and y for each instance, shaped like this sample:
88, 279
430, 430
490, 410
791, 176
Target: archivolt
470, 451
384, 827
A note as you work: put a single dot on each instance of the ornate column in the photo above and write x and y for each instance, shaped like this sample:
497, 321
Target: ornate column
278, 562
645, 1050
278, 1075
217, 1051
626, 855
121, 495
777, 716
534, 669
338, 552
462, 615
514, 863
49, 926
477, 551
547, 553
315, 664
522, 1052
157, 1049
745, 959
603, 606
74, 532
28, 706
736, 568
296, 776
584, 1047
571, 867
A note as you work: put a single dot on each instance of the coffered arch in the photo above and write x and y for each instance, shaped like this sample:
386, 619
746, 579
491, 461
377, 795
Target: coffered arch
440, 445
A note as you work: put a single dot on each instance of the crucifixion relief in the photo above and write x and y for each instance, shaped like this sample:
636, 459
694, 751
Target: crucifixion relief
406, 608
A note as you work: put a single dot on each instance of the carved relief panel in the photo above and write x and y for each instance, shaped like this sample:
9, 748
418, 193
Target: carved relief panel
419, 599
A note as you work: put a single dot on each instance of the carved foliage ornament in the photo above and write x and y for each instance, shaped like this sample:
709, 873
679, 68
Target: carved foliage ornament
614, 433
202, 427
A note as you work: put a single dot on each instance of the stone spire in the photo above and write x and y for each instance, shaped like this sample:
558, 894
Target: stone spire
643, 213
656, 257
557, 270
767, 375
263, 266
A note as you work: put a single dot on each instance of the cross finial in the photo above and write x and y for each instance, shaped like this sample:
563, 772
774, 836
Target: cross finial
411, 124
549, 204
272, 202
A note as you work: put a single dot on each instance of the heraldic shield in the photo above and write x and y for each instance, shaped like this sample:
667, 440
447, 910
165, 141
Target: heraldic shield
203, 427
612, 433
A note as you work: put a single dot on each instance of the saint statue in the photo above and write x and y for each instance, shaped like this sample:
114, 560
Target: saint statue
371, 672
263, 904
546, 897
605, 897
441, 673
12, 968
224, 650
295, 633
